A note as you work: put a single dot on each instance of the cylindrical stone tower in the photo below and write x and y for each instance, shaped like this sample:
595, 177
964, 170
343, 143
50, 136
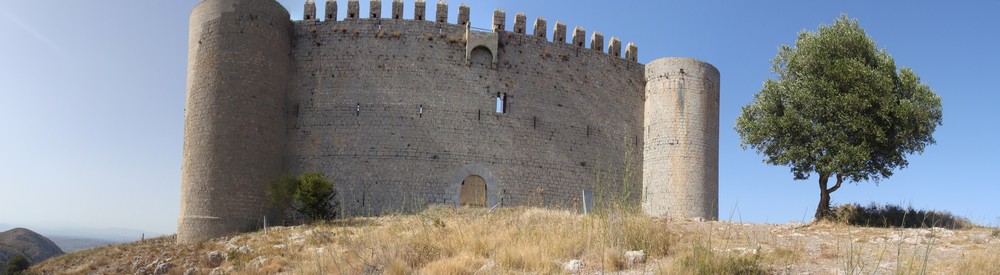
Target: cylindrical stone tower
681, 155
234, 121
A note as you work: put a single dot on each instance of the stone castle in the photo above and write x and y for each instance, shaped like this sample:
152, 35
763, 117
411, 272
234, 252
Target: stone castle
402, 112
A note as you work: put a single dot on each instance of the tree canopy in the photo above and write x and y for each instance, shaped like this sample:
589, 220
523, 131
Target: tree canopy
839, 107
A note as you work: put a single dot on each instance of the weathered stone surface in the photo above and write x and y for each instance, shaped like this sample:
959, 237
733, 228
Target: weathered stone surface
681, 153
215, 258
398, 112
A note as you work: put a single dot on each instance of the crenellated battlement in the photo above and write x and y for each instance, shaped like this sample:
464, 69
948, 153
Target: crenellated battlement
418, 97
539, 27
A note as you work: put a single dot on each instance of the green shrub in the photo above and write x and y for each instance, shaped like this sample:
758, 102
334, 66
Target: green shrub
890, 215
281, 192
17, 265
309, 194
314, 195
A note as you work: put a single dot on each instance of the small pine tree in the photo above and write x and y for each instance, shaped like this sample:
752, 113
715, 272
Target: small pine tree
315, 197
309, 194
17, 265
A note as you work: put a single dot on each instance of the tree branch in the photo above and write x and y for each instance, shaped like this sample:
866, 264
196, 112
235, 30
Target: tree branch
840, 179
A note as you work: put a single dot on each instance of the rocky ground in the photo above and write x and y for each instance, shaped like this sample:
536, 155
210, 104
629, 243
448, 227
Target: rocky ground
345, 247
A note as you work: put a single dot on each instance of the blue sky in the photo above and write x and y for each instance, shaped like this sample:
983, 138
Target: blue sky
92, 99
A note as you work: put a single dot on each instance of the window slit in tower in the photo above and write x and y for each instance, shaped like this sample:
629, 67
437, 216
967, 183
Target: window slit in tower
358, 110
502, 103
421, 111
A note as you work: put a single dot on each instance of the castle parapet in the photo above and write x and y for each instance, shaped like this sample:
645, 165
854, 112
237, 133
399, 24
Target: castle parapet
353, 9
331, 10
375, 8
632, 52
579, 36
539, 27
499, 20
397, 9
615, 47
442, 12
519, 24
310, 12
559, 32
597, 41
463, 14
419, 10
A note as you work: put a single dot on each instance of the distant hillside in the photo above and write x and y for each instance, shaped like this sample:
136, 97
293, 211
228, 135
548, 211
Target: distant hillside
70, 244
28, 243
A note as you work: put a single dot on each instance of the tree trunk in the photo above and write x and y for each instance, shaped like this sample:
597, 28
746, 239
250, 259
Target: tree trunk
823, 208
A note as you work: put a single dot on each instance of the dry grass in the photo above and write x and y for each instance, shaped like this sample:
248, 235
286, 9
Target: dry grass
445, 240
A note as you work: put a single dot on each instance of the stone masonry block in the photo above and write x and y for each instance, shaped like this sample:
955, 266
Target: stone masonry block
597, 41
331, 10
519, 23
375, 8
419, 10
615, 47
499, 20
579, 36
442, 12
559, 32
539, 28
397, 9
310, 11
353, 9
632, 52
463, 14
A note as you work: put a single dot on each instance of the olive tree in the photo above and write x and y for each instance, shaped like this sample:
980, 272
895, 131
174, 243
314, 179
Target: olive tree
839, 108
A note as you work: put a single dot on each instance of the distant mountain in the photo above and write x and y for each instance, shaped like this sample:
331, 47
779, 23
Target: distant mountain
112, 235
21, 241
70, 244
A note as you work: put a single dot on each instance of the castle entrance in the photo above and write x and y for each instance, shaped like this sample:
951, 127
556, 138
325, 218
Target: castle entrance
473, 192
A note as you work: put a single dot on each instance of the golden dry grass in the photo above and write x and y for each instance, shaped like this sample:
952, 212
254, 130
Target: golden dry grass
445, 240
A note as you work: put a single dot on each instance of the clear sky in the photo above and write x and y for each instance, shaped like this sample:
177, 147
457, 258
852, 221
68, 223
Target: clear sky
92, 99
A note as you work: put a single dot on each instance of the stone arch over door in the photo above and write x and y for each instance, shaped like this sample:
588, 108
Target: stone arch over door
455, 188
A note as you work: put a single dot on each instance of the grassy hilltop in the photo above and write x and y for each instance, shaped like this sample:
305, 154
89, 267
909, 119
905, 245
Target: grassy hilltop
444, 240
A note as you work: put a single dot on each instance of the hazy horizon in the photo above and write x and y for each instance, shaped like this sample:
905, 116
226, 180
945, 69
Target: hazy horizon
92, 99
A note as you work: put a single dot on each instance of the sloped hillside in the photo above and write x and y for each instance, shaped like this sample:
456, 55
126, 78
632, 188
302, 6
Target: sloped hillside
546, 241
21, 241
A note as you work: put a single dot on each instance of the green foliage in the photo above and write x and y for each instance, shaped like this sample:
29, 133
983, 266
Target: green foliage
281, 192
315, 194
309, 194
17, 265
839, 107
890, 215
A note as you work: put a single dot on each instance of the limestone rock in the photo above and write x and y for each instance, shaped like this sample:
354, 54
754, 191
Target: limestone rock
215, 258
635, 257
573, 266
163, 268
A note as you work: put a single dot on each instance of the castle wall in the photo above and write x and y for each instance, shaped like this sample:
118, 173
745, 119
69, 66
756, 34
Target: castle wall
234, 126
681, 157
391, 111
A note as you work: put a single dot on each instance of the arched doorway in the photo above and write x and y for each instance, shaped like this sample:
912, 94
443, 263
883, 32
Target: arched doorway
473, 192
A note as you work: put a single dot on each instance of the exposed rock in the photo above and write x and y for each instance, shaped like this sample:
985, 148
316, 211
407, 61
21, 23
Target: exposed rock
573, 266
215, 259
191, 271
635, 257
487, 266
258, 262
163, 268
